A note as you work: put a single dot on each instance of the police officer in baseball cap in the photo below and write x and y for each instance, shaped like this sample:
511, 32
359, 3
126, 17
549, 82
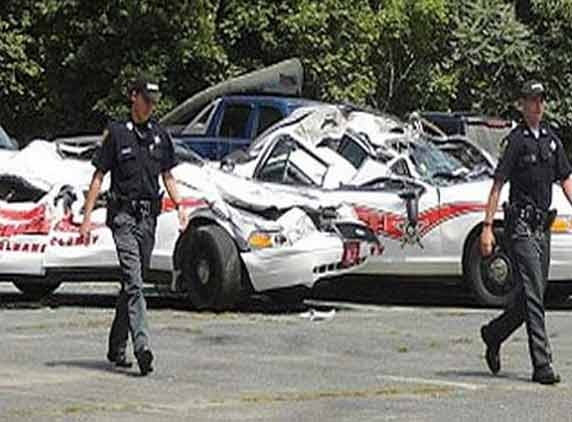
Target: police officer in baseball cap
136, 151
532, 88
532, 161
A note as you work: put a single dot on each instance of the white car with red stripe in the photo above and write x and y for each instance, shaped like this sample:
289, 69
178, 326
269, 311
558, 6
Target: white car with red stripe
371, 173
241, 237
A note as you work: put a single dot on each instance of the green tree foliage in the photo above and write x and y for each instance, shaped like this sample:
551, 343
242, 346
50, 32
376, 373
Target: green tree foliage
551, 21
19, 73
492, 53
64, 64
411, 43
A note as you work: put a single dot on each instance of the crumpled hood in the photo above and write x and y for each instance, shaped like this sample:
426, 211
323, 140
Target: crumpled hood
40, 164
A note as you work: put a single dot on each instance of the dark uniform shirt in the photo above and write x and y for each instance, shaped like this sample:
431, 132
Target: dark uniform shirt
532, 165
136, 154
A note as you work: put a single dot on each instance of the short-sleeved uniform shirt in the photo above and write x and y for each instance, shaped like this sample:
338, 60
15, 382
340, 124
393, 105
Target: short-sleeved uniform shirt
135, 154
532, 165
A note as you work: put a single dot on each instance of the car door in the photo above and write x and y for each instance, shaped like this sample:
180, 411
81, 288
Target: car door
24, 230
411, 245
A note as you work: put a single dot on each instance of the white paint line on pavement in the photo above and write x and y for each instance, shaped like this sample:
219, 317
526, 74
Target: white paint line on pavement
443, 383
396, 308
23, 378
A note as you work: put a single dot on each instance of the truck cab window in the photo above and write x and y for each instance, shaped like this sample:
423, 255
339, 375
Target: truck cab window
200, 124
267, 116
235, 121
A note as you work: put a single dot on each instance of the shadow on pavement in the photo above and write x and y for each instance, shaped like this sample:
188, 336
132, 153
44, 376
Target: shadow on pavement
95, 365
274, 304
447, 292
362, 290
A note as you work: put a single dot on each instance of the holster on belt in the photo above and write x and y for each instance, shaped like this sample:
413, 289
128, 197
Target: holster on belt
535, 218
550, 217
138, 208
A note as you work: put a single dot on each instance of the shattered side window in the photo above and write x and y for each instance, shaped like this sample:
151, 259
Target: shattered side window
351, 151
289, 163
429, 160
17, 189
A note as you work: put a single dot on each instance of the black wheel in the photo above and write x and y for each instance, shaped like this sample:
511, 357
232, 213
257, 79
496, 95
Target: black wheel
36, 287
210, 269
490, 279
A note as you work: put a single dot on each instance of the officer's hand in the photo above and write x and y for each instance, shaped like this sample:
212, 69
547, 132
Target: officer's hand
84, 231
487, 241
183, 219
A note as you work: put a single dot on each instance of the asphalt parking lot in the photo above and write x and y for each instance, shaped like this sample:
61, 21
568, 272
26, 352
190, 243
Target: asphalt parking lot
389, 357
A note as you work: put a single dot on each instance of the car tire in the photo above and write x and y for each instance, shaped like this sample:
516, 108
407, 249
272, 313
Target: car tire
36, 287
490, 279
211, 269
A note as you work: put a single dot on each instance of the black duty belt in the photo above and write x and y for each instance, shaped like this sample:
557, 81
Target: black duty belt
136, 207
534, 217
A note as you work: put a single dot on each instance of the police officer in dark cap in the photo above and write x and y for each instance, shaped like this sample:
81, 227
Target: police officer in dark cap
533, 159
136, 152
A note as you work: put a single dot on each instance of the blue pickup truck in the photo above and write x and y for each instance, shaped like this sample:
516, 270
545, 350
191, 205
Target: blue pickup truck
229, 115
232, 121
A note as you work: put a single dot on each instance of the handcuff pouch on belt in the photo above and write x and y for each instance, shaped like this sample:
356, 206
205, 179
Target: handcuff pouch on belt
536, 219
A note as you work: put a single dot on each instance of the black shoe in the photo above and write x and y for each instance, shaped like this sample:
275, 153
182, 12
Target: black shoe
545, 375
492, 354
119, 359
145, 360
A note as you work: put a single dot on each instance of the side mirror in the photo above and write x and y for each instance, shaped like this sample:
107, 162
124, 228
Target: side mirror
227, 164
411, 199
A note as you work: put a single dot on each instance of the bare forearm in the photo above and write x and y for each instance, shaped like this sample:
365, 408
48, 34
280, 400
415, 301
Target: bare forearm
493, 202
567, 188
171, 186
94, 188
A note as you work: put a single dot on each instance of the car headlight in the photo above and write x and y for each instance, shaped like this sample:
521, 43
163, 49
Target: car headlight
562, 224
263, 240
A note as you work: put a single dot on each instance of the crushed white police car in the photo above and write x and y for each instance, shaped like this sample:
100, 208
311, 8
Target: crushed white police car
242, 237
424, 206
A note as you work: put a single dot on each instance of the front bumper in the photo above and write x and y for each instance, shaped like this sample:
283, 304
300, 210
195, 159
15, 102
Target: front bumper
313, 258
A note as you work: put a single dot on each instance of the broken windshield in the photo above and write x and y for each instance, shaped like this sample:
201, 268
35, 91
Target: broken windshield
431, 162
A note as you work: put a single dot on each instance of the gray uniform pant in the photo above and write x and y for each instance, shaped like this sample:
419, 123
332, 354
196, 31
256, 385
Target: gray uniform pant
530, 253
134, 240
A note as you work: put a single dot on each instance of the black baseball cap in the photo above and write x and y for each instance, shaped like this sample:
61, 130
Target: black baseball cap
149, 90
532, 89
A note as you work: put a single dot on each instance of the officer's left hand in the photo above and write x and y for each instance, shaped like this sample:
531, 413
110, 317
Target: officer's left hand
183, 219
85, 231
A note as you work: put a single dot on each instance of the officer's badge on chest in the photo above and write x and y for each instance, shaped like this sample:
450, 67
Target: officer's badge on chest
155, 143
